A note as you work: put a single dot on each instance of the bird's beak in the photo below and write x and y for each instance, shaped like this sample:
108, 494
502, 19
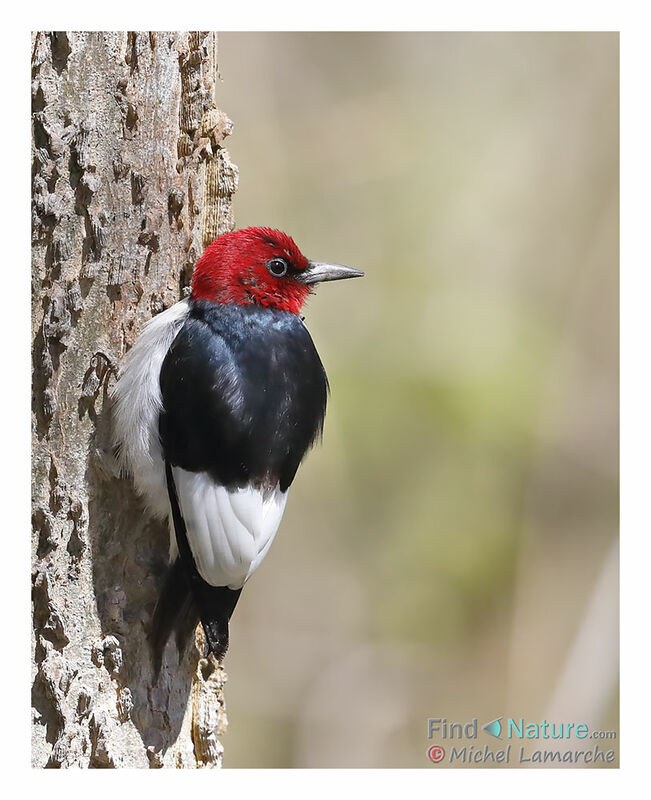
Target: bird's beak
317, 271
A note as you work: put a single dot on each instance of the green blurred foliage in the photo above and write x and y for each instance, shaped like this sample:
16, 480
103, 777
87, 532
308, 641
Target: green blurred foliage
439, 551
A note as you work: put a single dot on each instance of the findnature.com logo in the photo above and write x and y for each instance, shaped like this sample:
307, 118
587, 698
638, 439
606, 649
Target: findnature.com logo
519, 730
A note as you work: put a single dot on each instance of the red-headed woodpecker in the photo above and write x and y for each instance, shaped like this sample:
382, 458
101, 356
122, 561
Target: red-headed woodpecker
215, 406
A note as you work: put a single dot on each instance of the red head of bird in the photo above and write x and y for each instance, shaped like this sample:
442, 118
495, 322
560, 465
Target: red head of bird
260, 266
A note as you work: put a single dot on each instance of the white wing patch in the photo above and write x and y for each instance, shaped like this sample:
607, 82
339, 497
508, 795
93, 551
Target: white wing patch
138, 402
229, 532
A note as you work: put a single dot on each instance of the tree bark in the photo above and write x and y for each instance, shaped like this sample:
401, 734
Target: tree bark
130, 182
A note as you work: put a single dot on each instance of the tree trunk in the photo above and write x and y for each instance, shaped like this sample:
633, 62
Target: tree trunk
130, 181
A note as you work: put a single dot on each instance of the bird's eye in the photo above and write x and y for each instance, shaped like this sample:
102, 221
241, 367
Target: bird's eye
277, 267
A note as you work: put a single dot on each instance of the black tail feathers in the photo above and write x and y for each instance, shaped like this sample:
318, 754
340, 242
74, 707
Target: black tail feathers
186, 598
216, 606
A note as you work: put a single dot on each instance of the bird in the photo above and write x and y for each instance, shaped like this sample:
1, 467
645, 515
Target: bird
214, 408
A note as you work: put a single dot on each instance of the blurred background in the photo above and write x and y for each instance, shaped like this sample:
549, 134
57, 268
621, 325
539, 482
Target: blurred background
451, 550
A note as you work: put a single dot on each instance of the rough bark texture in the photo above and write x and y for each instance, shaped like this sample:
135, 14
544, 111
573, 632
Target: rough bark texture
130, 181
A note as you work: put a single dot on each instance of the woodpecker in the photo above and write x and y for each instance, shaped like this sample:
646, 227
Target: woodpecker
215, 406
